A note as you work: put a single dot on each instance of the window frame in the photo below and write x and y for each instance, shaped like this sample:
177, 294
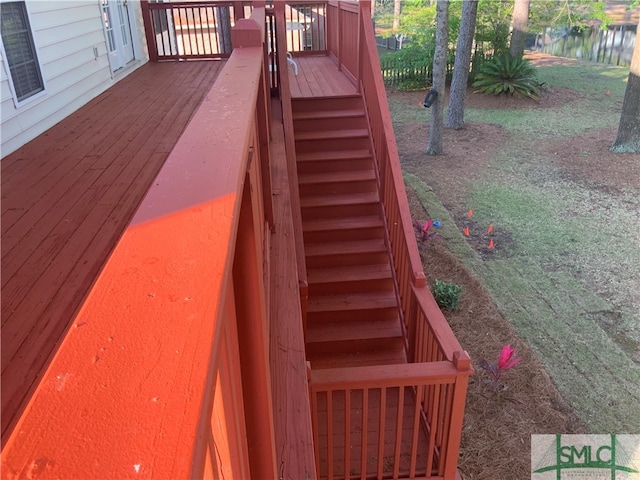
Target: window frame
31, 98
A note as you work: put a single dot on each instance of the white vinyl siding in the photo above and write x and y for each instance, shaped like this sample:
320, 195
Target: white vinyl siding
67, 34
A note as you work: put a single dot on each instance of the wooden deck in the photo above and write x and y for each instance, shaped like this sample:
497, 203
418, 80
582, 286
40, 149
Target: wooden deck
318, 76
66, 198
66, 204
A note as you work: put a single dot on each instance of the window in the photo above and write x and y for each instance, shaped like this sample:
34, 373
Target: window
20, 50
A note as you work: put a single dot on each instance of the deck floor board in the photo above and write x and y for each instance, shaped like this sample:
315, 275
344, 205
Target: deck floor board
318, 76
66, 198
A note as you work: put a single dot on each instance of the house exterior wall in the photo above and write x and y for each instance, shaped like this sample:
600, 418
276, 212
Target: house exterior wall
65, 34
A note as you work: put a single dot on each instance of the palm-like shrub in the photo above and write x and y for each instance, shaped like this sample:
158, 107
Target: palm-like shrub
503, 74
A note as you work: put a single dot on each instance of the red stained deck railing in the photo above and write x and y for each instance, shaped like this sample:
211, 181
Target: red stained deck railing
191, 30
161, 373
429, 436
287, 120
398, 420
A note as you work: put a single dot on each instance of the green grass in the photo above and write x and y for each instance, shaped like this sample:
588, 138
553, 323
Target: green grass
594, 110
590, 79
568, 279
572, 119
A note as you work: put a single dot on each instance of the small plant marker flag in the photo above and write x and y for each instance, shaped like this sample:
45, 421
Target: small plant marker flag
490, 229
466, 231
470, 213
491, 244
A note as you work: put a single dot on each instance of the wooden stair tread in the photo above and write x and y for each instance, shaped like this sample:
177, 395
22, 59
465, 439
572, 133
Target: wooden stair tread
345, 248
336, 177
351, 273
326, 114
358, 359
352, 301
322, 332
331, 134
337, 200
342, 223
330, 155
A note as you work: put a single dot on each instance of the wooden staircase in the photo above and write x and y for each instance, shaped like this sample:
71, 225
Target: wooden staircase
353, 314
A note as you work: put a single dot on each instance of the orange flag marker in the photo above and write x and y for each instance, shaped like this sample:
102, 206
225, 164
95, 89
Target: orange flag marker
470, 213
491, 244
490, 229
466, 231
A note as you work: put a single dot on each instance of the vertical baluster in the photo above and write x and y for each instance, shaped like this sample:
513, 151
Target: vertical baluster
432, 419
398, 444
365, 425
315, 424
216, 28
383, 412
416, 430
208, 14
330, 434
174, 15
446, 423
420, 357
186, 37
347, 432
199, 30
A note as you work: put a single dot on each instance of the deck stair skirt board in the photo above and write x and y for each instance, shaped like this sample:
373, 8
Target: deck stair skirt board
352, 317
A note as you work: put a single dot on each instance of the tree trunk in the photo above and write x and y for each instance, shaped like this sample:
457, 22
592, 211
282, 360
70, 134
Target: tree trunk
455, 118
439, 78
628, 140
519, 28
397, 10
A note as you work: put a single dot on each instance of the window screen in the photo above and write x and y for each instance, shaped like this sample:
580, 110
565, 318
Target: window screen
20, 50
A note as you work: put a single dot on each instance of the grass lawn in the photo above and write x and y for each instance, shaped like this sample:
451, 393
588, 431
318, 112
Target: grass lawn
566, 213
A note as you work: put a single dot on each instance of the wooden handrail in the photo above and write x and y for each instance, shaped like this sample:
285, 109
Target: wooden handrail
428, 311
378, 376
374, 88
287, 120
418, 404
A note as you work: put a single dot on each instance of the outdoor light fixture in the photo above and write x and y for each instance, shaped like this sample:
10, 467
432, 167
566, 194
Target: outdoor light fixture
430, 98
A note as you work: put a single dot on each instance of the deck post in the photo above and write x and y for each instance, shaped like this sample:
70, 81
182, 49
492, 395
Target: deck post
246, 33
238, 10
149, 31
462, 362
364, 16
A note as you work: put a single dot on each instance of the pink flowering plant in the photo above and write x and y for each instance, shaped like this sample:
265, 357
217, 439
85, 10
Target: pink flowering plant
506, 361
422, 230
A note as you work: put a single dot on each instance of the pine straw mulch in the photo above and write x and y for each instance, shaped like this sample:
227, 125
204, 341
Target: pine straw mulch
498, 425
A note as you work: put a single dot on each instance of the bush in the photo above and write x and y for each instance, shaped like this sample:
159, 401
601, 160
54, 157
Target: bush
407, 68
503, 74
446, 294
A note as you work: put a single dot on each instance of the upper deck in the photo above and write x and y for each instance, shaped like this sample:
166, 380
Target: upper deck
67, 197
